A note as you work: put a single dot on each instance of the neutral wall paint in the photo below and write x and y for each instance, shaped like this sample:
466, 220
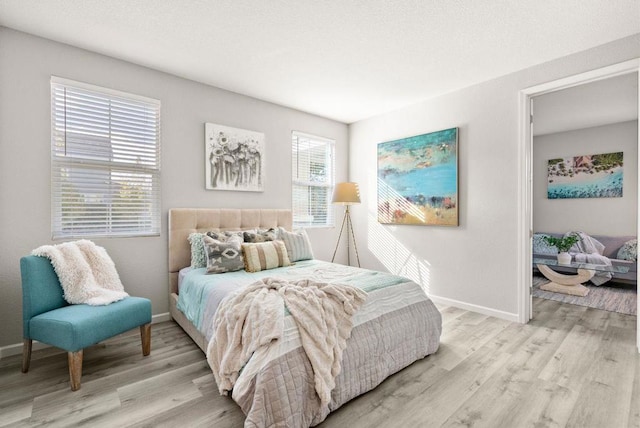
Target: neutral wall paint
606, 101
596, 216
26, 65
473, 265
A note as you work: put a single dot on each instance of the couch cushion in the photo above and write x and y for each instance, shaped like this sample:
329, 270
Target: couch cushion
612, 244
629, 251
541, 246
75, 327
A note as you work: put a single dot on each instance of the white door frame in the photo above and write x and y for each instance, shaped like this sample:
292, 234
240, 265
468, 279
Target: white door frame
525, 185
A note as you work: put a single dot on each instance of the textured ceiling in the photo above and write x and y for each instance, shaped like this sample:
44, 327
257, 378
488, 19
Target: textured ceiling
342, 59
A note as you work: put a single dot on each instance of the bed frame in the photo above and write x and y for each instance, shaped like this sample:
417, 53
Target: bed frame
183, 221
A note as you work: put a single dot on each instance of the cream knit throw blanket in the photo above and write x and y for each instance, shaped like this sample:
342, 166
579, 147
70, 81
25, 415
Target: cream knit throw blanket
86, 272
589, 250
254, 317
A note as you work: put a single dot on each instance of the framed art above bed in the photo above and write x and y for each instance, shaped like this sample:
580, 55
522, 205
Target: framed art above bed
234, 158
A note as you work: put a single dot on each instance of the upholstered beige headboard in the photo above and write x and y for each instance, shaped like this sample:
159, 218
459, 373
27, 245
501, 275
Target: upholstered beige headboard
183, 221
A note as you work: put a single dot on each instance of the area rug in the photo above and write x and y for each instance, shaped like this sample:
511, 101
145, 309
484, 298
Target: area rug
613, 299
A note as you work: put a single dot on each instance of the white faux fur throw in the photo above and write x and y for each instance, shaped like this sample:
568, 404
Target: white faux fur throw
86, 272
254, 317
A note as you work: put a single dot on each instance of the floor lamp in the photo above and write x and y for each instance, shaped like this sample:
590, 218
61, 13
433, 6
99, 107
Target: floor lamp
346, 194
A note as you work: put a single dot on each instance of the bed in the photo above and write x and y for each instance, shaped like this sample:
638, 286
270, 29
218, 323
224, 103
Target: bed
396, 325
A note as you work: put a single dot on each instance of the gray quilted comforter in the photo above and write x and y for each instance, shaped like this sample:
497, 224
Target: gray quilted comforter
396, 326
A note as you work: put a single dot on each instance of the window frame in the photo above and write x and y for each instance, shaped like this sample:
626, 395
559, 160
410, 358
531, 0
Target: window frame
329, 184
123, 173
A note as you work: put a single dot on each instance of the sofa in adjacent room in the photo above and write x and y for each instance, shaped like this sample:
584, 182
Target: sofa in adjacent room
620, 249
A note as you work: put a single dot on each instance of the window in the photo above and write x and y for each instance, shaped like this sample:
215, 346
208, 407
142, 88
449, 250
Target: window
312, 180
105, 162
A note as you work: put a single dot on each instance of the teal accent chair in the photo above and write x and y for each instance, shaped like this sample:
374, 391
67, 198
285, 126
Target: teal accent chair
48, 318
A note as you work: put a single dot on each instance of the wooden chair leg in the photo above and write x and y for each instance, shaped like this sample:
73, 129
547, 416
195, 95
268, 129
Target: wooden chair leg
75, 368
26, 354
145, 336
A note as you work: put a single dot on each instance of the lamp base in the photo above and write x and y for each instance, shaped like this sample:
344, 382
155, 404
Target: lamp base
347, 220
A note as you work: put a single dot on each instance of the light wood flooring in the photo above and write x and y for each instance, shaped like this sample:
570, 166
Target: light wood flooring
571, 366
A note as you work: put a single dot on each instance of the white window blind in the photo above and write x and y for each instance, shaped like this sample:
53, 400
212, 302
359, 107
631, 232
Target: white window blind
105, 162
312, 180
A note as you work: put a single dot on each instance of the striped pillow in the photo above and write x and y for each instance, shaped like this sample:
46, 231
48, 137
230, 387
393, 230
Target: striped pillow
264, 255
297, 243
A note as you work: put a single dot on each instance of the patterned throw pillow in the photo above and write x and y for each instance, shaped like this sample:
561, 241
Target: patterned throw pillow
224, 236
297, 243
541, 246
264, 255
198, 258
261, 235
223, 256
629, 251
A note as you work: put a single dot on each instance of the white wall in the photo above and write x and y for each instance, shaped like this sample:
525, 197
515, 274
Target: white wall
605, 101
596, 216
473, 265
26, 65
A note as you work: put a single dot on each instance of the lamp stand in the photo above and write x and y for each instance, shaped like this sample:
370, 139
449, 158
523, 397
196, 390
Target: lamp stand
347, 220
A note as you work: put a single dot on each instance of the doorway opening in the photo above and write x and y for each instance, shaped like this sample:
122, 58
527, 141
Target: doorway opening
526, 223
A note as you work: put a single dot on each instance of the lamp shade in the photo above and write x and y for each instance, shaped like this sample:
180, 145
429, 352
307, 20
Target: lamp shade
346, 194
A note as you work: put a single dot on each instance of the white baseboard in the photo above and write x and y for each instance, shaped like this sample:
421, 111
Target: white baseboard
475, 308
160, 318
16, 349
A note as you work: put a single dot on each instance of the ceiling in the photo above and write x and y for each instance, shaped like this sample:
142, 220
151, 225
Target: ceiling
598, 103
342, 59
